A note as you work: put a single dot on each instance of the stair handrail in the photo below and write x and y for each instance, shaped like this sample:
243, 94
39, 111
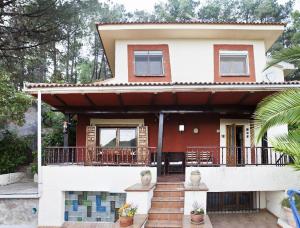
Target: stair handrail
291, 193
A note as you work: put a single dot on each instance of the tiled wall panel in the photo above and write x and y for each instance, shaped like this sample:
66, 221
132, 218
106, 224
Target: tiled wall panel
93, 206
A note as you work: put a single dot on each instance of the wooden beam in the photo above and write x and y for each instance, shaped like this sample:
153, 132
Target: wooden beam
153, 99
230, 109
175, 98
120, 99
210, 97
160, 143
244, 97
89, 100
59, 100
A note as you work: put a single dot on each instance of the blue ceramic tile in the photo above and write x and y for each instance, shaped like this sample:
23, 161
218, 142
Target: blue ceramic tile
75, 205
66, 216
101, 209
98, 200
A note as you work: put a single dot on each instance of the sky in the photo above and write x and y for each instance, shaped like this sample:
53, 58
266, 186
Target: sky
148, 5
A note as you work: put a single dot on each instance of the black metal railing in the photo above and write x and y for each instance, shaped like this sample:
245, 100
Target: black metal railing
125, 156
234, 156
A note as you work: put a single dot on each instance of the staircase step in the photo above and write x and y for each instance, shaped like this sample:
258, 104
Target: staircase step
178, 192
165, 214
167, 204
163, 223
167, 199
169, 185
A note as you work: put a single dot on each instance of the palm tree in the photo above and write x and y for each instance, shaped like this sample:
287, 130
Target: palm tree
282, 108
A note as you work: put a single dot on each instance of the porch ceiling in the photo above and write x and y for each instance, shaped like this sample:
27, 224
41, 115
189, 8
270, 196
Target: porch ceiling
98, 101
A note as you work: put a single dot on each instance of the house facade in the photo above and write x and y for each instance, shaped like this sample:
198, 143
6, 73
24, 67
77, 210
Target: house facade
181, 98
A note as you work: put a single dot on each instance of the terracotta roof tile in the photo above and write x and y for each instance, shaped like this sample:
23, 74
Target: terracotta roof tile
55, 85
191, 22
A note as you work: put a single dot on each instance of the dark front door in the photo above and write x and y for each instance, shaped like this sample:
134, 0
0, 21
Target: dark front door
173, 163
234, 145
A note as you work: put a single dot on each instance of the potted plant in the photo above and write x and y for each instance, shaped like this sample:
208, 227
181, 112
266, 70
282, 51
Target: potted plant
197, 214
195, 178
288, 211
126, 214
146, 177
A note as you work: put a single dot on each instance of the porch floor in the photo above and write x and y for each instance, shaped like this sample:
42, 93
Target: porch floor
261, 219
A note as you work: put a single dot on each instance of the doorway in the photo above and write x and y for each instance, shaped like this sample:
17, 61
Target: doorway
173, 167
235, 145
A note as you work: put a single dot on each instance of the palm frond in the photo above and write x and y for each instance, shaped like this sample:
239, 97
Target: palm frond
291, 149
289, 55
289, 144
280, 108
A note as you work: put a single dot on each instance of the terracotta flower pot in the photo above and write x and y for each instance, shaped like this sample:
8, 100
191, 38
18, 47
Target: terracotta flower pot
197, 219
126, 221
290, 216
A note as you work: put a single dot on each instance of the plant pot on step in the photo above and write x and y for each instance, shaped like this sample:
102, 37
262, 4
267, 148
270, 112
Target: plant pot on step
146, 177
197, 219
290, 216
126, 221
195, 178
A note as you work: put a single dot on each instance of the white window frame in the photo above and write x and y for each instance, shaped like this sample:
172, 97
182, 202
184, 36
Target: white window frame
234, 53
149, 75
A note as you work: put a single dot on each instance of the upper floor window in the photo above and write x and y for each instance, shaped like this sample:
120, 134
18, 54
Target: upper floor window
149, 63
234, 63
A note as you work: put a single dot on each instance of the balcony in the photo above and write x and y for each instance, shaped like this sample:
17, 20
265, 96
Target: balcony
98, 156
147, 156
234, 156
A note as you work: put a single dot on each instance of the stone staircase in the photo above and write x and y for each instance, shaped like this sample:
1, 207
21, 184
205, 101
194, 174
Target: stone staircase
167, 205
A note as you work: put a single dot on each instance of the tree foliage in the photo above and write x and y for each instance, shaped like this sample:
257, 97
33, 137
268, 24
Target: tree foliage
13, 103
14, 151
56, 40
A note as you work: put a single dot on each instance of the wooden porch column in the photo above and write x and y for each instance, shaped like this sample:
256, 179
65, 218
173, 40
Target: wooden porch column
66, 133
160, 142
39, 140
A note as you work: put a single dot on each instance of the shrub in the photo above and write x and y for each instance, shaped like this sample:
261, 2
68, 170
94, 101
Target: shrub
286, 203
14, 151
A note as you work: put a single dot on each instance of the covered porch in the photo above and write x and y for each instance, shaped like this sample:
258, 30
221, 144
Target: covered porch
170, 126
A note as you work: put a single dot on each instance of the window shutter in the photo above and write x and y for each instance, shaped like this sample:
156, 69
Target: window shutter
143, 155
90, 155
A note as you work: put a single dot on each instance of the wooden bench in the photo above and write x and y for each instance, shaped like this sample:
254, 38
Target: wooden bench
194, 157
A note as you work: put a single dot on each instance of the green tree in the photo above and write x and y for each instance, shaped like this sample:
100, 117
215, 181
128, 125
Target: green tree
176, 10
13, 102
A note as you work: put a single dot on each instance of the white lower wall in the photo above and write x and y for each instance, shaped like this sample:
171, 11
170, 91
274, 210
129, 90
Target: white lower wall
273, 202
58, 179
249, 178
11, 178
140, 199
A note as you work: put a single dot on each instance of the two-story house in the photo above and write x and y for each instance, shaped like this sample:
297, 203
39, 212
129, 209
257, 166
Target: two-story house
181, 98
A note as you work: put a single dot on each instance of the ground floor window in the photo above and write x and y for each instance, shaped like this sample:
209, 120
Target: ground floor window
232, 201
93, 206
117, 137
